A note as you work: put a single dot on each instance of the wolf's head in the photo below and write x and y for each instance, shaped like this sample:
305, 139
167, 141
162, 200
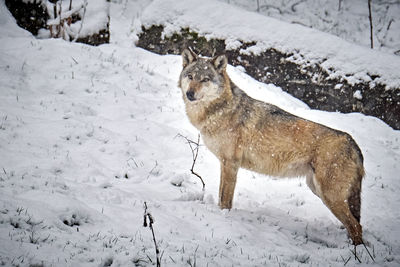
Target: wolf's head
202, 79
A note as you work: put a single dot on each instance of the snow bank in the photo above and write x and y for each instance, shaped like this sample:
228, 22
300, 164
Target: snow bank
346, 19
336, 56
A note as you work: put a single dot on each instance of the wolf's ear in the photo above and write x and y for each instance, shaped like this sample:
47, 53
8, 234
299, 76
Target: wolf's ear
188, 57
220, 63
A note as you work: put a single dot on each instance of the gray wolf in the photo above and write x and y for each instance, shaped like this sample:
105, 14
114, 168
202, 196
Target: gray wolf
246, 133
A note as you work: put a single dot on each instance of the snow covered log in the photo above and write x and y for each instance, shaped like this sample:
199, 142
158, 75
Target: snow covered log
73, 20
322, 70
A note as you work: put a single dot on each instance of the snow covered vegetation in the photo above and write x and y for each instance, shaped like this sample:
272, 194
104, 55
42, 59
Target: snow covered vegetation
88, 135
73, 20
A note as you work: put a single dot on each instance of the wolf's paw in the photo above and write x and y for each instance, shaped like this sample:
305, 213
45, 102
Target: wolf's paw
223, 206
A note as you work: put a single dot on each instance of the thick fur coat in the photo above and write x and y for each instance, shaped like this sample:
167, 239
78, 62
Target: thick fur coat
246, 133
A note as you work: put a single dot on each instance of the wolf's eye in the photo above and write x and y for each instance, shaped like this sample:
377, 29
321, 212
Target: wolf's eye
190, 77
205, 80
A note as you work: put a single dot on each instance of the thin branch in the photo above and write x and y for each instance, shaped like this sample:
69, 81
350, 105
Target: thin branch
151, 171
373, 259
345, 261
370, 24
266, 7
69, 20
82, 20
194, 147
293, 7
148, 216
355, 254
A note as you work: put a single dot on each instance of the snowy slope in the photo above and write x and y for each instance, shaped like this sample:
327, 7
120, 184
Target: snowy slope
87, 134
336, 56
346, 19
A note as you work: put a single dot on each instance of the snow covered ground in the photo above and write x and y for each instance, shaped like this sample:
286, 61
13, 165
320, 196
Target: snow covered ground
88, 134
346, 19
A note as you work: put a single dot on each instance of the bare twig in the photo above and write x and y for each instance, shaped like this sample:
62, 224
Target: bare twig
55, 16
60, 25
151, 171
69, 20
370, 24
266, 7
194, 146
148, 216
345, 261
373, 259
76, 62
293, 7
82, 20
355, 254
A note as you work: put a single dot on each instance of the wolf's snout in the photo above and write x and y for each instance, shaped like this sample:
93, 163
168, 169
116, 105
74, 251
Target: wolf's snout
190, 95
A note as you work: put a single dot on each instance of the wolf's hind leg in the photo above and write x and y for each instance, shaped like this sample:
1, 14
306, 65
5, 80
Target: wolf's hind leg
342, 211
335, 196
227, 185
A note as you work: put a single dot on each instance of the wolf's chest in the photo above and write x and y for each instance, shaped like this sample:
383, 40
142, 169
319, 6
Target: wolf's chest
220, 140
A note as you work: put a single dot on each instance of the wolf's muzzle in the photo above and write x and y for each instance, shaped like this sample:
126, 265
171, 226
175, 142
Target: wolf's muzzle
190, 95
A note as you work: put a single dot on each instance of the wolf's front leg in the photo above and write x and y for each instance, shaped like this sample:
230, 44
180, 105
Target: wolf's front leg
227, 184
